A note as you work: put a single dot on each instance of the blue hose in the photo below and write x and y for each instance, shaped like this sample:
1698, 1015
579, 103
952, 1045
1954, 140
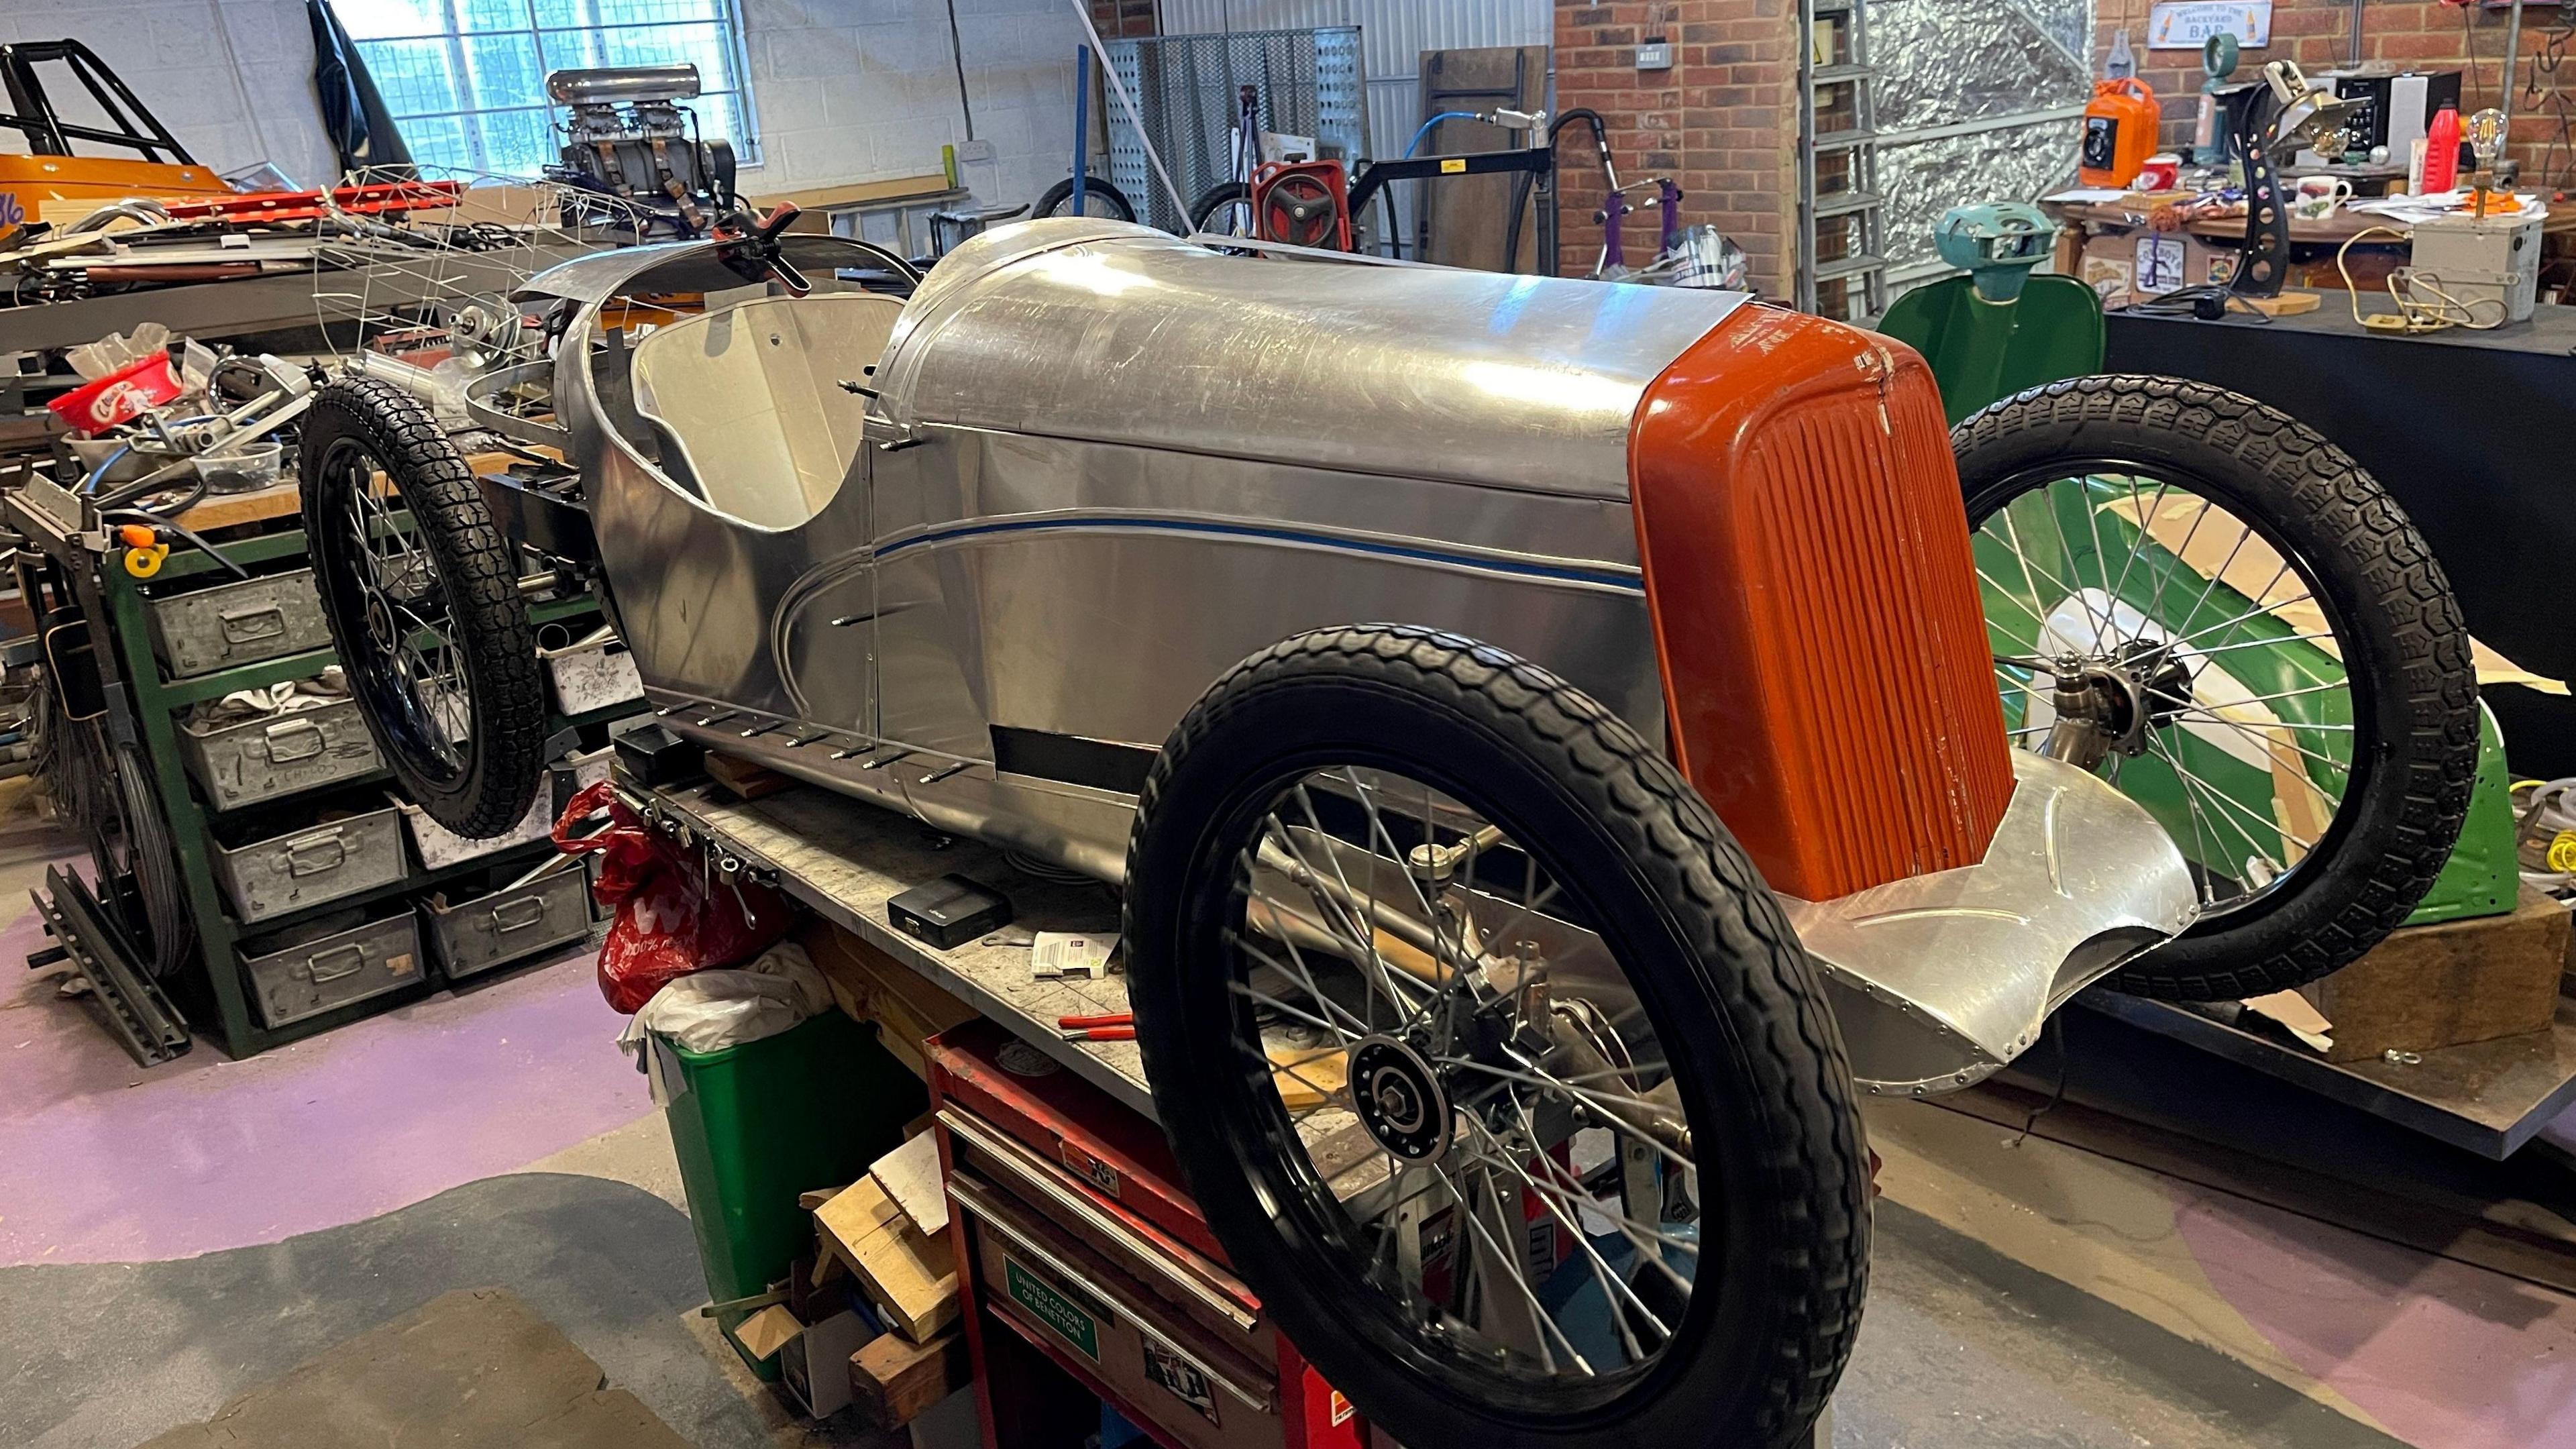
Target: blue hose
90, 484
1416, 143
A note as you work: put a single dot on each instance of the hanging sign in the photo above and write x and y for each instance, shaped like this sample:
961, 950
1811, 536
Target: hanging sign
2184, 24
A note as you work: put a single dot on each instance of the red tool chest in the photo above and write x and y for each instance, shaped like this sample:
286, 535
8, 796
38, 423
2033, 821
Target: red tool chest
1080, 1254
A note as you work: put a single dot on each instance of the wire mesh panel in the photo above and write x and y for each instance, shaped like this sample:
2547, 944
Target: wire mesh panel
1305, 83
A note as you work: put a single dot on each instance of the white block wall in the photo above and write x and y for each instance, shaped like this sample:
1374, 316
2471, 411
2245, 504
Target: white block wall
845, 90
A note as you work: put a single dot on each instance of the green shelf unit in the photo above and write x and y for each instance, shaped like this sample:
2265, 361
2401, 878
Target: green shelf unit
219, 1005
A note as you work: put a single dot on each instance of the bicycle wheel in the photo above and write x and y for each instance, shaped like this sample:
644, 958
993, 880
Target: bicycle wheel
1099, 198
2219, 611
1224, 209
1493, 1064
424, 609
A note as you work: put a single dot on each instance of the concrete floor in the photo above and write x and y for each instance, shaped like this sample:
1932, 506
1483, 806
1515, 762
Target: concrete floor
172, 1239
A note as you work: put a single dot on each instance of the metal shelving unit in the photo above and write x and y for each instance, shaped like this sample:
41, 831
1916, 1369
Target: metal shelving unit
1842, 262
143, 707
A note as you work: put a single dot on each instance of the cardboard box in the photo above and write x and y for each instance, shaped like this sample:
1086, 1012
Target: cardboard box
814, 1365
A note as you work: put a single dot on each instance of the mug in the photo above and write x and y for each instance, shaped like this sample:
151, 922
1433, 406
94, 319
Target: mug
2316, 197
2160, 172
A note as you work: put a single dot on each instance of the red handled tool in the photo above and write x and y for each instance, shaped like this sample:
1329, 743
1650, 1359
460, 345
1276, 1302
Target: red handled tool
1109, 1026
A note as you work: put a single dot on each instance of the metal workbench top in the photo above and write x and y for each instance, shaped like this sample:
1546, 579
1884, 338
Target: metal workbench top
844, 859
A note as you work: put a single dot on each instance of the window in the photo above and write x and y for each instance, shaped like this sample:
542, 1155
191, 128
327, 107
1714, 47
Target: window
466, 79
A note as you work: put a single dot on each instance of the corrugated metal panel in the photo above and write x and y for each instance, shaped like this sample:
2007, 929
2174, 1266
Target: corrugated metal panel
1393, 35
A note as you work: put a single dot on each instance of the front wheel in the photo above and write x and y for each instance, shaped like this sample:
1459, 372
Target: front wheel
422, 595
1493, 1064
2219, 611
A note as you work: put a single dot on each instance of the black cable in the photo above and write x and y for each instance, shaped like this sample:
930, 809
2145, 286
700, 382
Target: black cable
957, 55
2056, 1094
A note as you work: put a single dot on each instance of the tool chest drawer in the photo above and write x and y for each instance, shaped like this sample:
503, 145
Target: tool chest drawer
242, 623
1079, 1241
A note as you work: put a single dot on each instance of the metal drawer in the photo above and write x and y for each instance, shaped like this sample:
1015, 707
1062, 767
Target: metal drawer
593, 676
307, 867
261, 759
243, 623
440, 847
487, 931
300, 981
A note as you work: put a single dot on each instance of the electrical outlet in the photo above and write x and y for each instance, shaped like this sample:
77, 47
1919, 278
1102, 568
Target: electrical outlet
1655, 54
973, 151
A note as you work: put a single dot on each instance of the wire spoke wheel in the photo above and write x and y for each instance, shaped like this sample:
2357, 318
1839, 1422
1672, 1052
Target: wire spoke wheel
1475, 1091
2147, 633
2221, 614
1099, 198
422, 597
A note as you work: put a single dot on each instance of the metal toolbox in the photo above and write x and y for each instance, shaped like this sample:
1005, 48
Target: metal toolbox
294, 982
243, 623
441, 847
1080, 1242
485, 932
593, 675
261, 759
308, 867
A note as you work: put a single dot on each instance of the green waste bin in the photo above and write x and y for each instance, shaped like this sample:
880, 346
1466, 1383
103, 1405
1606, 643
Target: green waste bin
757, 1124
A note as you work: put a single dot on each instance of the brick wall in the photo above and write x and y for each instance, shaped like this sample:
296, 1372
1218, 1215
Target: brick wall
1722, 122
2318, 35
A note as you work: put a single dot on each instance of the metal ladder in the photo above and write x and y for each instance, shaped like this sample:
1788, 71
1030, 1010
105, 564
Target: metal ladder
1842, 261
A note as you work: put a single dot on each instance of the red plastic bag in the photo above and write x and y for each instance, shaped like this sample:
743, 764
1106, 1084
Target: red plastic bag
671, 916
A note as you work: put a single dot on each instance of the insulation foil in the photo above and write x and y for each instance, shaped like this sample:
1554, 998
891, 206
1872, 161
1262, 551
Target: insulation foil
1923, 179
1945, 62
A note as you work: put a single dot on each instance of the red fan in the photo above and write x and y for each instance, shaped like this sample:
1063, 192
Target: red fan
1302, 203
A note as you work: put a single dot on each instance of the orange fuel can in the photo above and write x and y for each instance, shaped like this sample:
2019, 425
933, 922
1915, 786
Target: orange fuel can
2119, 132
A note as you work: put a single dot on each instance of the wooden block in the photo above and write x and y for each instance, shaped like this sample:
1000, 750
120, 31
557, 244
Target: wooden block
910, 1175
874, 987
892, 1379
910, 1275
1309, 1078
744, 778
2428, 987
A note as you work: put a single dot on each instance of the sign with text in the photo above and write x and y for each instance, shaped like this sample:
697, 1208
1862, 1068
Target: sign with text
2184, 24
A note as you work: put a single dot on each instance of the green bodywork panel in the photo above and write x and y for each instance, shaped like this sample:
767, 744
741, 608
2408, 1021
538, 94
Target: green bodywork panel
1983, 352
2481, 878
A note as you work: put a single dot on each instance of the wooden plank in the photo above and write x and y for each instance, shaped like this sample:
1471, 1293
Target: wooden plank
1465, 218
894, 1380
228, 510
2429, 987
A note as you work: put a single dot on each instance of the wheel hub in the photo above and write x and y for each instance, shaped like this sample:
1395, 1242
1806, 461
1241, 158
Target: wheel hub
1399, 1099
2106, 704
380, 624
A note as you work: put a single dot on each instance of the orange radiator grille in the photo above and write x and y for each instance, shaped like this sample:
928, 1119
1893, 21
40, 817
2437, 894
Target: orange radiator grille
1815, 602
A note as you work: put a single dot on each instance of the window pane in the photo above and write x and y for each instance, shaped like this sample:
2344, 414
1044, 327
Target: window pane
502, 70
414, 77
474, 15
438, 144
368, 19
516, 143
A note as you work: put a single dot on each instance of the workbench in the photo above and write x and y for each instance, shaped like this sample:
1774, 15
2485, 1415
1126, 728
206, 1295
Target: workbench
2469, 430
844, 859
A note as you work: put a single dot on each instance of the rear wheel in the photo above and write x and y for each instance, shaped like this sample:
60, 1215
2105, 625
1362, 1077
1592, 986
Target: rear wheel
1493, 1065
2220, 612
422, 596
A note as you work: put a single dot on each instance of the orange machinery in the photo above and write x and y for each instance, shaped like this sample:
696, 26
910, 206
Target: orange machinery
53, 185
